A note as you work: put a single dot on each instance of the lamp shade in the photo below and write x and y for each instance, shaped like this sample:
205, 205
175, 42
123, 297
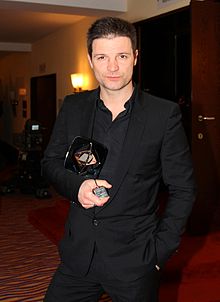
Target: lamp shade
77, 80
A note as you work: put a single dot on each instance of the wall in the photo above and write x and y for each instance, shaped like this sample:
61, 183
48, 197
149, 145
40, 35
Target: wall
14, 74
63, 53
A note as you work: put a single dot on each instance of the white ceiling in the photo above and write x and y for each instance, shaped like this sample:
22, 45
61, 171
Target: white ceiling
24, 22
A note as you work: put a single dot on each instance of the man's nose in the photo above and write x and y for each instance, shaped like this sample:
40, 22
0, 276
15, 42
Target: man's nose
112, 65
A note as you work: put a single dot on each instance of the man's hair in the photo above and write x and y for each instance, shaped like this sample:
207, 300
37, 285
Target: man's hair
111, 27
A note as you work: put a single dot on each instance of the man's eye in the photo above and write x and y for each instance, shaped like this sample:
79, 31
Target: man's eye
123, 56
101, 58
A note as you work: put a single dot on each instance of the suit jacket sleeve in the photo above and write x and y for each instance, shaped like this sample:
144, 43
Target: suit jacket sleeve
177, 173
65, 182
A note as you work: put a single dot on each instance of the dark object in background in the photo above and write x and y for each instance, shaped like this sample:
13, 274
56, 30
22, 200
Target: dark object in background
8, 154
28, 175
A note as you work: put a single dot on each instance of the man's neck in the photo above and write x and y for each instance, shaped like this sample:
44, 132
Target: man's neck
115, 100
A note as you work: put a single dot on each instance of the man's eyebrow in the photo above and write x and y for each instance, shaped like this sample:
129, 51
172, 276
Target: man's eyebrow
124, 53
99, 54
119, 53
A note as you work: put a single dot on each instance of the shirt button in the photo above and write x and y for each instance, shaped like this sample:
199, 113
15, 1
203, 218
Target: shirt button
95, 222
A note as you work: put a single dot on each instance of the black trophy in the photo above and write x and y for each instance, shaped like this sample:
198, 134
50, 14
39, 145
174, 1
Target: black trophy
86, 157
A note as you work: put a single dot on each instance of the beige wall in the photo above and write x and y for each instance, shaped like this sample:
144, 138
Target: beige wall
14, 74
62, 53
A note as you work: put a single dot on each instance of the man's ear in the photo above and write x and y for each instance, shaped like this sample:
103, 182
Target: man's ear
135, 56
90, 61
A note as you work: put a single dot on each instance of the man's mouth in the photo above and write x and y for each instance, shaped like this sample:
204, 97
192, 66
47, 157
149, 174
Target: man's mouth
113, 77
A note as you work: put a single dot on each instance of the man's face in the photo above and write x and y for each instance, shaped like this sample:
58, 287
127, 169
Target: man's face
113, 61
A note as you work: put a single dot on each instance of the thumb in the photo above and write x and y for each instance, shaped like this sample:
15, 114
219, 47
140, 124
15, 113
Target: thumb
102, 182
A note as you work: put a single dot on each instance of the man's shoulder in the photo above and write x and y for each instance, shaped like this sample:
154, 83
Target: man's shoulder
157, 101
156, 106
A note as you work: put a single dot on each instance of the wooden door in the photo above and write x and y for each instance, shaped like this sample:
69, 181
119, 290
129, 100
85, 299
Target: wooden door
206, 113
43, 103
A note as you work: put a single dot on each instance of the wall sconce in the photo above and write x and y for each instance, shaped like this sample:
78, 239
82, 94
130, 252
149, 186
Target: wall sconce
77, 82
22, 93
21, 96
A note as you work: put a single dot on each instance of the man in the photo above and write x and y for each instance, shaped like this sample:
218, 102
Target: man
119, 243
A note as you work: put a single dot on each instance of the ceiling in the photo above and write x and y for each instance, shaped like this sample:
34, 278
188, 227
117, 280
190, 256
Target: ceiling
28, 22
28, 27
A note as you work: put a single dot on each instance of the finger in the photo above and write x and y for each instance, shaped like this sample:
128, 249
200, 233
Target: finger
90, 200
88, 206
99, 202
86, 196
87, 202
93, 200
104, 183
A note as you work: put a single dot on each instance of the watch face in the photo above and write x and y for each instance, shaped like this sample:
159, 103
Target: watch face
85, 157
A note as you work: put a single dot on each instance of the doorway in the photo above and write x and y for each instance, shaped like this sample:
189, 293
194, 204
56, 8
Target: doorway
43, 103
180, 60
164, 66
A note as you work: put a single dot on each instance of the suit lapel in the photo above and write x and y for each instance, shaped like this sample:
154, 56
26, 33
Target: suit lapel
131, 145
88, 116
87, 125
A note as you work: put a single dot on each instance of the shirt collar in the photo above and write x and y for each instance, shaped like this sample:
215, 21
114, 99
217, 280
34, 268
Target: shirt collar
128, 105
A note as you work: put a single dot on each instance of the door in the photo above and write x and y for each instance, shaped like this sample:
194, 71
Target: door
43, 103
164, 63
206, 114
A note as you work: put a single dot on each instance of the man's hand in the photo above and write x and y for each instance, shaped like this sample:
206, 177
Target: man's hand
86, 196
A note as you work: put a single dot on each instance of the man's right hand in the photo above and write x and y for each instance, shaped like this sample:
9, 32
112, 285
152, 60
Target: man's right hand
86, 196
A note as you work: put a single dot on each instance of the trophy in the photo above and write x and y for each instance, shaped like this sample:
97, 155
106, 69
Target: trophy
86, 157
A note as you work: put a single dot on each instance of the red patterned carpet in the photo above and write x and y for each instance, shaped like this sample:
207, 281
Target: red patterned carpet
28, 259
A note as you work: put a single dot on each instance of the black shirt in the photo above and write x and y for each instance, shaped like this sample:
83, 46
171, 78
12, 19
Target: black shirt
111, 134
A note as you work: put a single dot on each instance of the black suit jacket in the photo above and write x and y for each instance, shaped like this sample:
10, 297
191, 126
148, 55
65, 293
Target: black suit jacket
129, 234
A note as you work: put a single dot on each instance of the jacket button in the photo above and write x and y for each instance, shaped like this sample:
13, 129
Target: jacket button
95, 222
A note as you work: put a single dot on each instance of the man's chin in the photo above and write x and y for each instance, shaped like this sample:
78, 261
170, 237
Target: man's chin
116, 87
